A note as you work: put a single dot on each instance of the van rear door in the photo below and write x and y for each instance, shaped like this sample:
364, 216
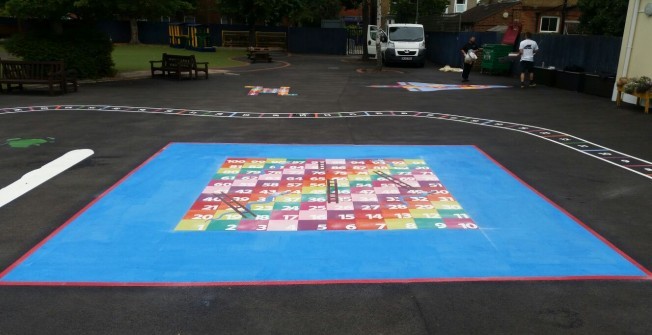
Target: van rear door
372, 30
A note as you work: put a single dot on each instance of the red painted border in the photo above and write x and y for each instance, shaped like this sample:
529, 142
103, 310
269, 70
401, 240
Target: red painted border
330, 282
79, 213
647, 277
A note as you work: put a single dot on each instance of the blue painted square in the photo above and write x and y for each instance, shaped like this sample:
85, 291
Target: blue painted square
128, 237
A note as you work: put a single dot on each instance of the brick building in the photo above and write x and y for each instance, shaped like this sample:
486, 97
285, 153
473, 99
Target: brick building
537, 16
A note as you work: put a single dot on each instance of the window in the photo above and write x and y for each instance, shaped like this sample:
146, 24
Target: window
572, 27
549, 24
460, 6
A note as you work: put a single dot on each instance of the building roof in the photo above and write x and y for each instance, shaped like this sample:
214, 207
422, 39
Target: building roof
482, 11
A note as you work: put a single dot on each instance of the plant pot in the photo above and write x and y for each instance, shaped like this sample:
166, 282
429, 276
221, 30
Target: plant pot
543, 76
600, 86
572, 81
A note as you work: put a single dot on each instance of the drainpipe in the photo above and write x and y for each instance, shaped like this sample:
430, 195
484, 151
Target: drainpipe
630, 45
630, 39
562, 27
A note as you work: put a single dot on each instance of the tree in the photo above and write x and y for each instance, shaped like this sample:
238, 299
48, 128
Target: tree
298, 12
134, 10
42, 9
603, 17
406, 10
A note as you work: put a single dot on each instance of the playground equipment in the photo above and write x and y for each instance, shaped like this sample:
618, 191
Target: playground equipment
178, 33
199, 38
190, 36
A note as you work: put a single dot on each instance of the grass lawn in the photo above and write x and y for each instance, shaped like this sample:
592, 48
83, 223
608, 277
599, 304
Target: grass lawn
136, 57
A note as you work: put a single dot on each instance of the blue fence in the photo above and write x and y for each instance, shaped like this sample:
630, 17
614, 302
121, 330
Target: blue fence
330, 41
444, 48
594, 54
300, 40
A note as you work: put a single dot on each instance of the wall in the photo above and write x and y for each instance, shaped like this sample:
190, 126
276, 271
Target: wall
596, 54
498, 19
639, 63
548, 3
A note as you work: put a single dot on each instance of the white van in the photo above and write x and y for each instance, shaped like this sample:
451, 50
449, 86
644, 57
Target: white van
402, 43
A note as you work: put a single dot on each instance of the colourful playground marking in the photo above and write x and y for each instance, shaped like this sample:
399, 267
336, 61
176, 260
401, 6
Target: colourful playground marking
428, 87
257, 90
279, 194
130, 236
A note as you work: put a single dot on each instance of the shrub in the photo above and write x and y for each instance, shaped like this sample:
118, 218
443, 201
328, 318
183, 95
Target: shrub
82, 48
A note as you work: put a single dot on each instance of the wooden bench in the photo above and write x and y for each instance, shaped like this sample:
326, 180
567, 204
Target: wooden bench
235, 38
255, 54
176, 65
646, 96
53, 73
277, 40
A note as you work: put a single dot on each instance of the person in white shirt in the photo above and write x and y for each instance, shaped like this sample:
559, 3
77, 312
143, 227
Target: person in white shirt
527, 49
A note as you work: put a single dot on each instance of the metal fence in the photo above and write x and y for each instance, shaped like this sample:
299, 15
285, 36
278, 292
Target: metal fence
355, 41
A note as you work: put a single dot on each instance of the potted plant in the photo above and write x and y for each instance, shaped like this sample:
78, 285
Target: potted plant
600, 85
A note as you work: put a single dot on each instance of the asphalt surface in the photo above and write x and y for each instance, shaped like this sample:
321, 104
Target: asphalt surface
613, 201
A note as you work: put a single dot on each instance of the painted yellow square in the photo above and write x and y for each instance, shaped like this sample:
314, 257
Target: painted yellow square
446, 204
226, 215
288, 198
253, 166
425, 214
192, 225
263, 207
228, 171
313, 190
358, 177
415, 161
396, 224
276, 160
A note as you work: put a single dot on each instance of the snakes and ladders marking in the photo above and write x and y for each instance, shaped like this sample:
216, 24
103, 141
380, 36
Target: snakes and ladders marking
625, 161
279, 194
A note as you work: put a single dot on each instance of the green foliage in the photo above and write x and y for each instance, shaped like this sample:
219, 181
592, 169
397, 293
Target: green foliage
300, 12
603, 17
312, 12
82, 48
254, 11
406, 10
44, 9
134, 8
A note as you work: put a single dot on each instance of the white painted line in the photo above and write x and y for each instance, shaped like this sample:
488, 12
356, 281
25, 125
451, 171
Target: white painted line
39, 176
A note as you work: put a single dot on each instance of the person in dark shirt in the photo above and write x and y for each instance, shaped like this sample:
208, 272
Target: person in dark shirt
468, 63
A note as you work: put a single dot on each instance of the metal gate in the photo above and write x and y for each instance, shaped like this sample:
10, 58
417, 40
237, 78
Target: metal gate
355, 39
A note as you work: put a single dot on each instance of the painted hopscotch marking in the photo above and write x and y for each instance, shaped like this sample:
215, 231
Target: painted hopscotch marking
34, 178
622, 160
258, 90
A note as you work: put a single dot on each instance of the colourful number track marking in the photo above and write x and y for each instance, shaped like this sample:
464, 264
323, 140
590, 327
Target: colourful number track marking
279, 194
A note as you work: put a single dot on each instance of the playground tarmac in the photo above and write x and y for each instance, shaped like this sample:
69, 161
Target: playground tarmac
577, 152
